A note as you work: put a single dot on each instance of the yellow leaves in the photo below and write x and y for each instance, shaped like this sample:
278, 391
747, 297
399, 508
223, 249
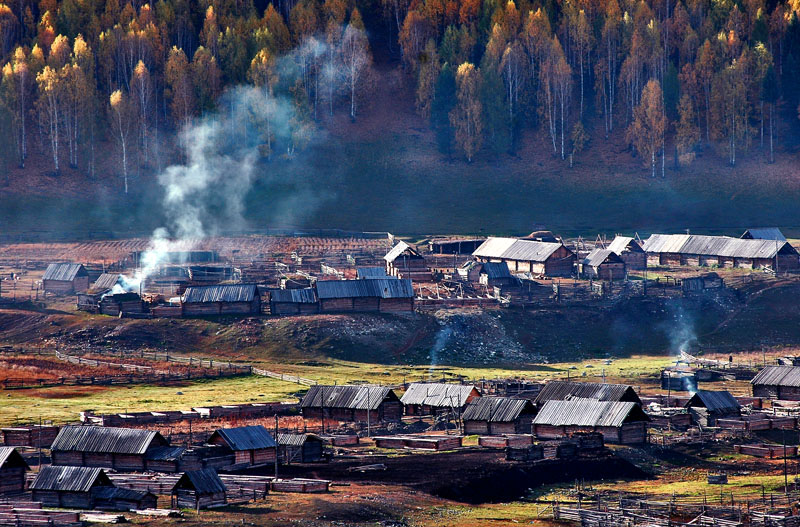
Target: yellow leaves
8, 70
116, 99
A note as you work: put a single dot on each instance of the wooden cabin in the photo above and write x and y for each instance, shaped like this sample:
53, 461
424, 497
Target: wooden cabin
351, 403
528, 256
706, 406
211, 300
65, 279
199, 489
431, 398
495, 274
293, 301
253, 446
121, 303
85, 488
704, 282
176, 459
12, 471
498, 415
120, 499
404, 261
777, 382
300, 448
122, 449
631, 252
603, 264
387, 295
619, 422
32, 435
723, 251
563, 390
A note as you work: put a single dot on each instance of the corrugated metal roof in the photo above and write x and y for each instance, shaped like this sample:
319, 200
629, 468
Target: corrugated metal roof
66, 272
380, 288
106, 281
495, 270
9, 457
106, 439
514, 249
438, 394
364, 273
601, 256
246, 437
358, 397
496, 409
296, 439
778, 376
205, 481
165, 453
563, 390
621, 244
116, 493
220, 293
399, 249
764, 233
69, 479
588, 412
714, 400
307, 295
715, 246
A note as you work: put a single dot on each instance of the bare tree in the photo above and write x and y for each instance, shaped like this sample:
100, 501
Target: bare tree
356, 58
121, 123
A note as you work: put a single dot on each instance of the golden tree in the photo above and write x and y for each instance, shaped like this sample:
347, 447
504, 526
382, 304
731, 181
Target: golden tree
646, 132
466, 116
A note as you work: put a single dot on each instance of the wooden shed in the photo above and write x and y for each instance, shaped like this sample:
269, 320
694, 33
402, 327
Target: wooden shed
631, 252
351, 403
253, 446
563, 390
495, 274
706, 406
619, 422
65, 279
603, 264
405, 261
430, 398
293, 301
704, 282
12, 471
498, 415
210, 300
528, 256
123, 449
723, 251
300, 448
119, 499
777, 382
126, 302
199, 489
386, 295
85, 488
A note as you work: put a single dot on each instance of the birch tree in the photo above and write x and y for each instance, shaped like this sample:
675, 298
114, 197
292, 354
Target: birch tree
466, 115
356, 59
646, 132
122, 116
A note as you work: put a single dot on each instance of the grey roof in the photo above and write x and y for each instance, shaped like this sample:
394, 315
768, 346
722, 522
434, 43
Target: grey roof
165, 453
220, 293
11, 458
363, 273
69, 479
66, 272
116, 493
563, 390
601, 256
106, 281
496, 270
588, 412
715, 246
778, 376
254, 437
106, 439
378, 287
307, 295
357, 397
497, 409
714, 400
399, 249
296, 439
764, 233
205, 481
438, 394
514, 249
621, 244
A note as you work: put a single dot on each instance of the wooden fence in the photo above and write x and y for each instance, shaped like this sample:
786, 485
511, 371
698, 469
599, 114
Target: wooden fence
282, 376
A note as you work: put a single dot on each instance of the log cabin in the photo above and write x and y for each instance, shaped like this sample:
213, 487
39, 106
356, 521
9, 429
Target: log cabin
351, 403
122, 449
631, 252
528, 256
211, 300
405, 261
65, 279
432, 398
299, 448
777, 382
706, 406
387, 295
199, 489
603, 264
252, 446
293, 301
12, 471
85, 488
619, 422
498, 415
563, 390
693, 250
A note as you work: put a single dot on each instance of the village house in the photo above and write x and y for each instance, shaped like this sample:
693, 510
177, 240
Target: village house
85, 488
618, 421
351, 403
404, 261
498, 415
300, 448
777, 382
293, 301
431, 398
528, 256
12, 471
253, 446
387, 295
722, 251
706, 406
123, 449
65, 279
199, 489
603, 264
563, 390
631, 252
233, 299
174, 459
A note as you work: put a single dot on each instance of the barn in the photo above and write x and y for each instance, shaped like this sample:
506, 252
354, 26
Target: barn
253, 446
351, 402
631, 252
723, 251
85, 488
12, 471
764, 233
563, 390
199, 489
293, 301
404, 261
122, 449
387, 295
65, 279
299, 448
498, 415
603, 264
528, 256
618, 421
431, 398
777, 382
706, 406
209, 300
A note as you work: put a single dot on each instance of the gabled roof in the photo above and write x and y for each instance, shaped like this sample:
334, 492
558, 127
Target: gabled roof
69, 479
588, 412
296, 439
245, 437
375, 288
399, 249
563, 390
764, 233
515, 249
220, 293
601, 256
307, 295
106, 439
364, 273
621, 244
165, 453
495, 270
778, 376
438, 394
105, 282
497, 409
116, 493
353, 397
9, 457
205, 481
724, 246
66, 272
714, 400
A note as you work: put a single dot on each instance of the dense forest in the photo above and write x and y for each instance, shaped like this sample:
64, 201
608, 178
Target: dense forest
670, 76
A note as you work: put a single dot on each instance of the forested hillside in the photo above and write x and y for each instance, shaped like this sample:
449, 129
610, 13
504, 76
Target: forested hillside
671, 78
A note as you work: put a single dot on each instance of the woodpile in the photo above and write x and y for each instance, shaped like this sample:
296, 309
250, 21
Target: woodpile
756, 422
33, 436
340, 440
512, 441
766, 450
528, 453
31, 514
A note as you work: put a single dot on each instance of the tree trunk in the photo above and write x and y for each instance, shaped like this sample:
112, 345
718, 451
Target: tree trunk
771, 151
